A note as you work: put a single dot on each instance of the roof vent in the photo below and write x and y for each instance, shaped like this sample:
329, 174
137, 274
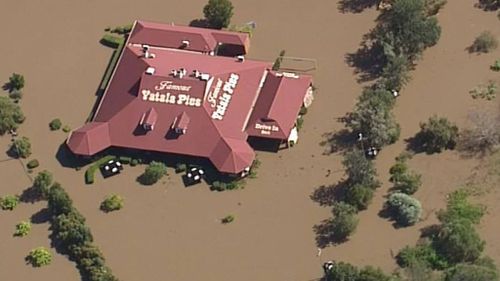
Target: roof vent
241, 58
185, 44
150, 71
204, 76
196, 73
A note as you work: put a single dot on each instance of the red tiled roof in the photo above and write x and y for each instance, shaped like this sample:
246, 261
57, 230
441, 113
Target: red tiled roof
181, 121
278, 105
150, 117
232, 155
89, 139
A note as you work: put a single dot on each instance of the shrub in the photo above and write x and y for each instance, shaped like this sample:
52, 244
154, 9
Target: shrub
21, 147
277, 63
16, 95
9, 202
66, 129
218, 186
112, 40
359, 169
345, 222
16, 81
33, 164
484, 43
437, 134
180, 168
404, 180
112, 203
488, 91
125, 159
90, 172
471, 272
423, 254
42, 183
370, 273
227, 219
122, 30
39, 257
22, 229
218, 13
10, 115
242, 29
134, 162
458, 209
495, 66
359, 196
405, 209
55, 124
342, 271
433, 6
153, 173
459, 242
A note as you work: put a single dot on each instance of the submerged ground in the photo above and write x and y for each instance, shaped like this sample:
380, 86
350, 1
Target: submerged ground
173, 233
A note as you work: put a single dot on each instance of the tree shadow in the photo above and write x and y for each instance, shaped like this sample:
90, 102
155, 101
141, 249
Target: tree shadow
325, 235
355, 6
327, 195
368, 61
338, 141
42, 216
202, 23
30, 195
416, 144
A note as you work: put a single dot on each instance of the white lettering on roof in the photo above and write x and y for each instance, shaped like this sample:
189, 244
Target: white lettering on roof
212, 96
180, 99
169, 85
266, 129
225, 97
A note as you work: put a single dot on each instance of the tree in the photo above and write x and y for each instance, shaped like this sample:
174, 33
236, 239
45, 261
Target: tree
370, 273
70, 230
484, 43
112, 203
404, 180
395, 75
423, 254
39, 257
21, 147
16, 81
406, 29
42, 183
153, 173
55, 124
9, 202
218, 13
459, 242
405, 209
359, 196
59, 201
342, 271
345, 222
359, 169
484, 134
459, 209
10, 115
471, 272
23, 228
437, 134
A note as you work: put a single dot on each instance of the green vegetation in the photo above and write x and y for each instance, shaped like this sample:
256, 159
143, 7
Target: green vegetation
55, 124
472, 272
395, 75
42, 183
359, 196
122, 30
230, 185
488, 91
437, 134
342, 271
423, 254
10, 115
39, 257
433, 6
32, 164
180, 168
459, 209
21, 147
111, 65
495, 66
489, 5
16, 95
112, 203
227, 219
405, 209
90, 172
16, 82
153, 173
9, 202
484, 43
404, 180
241, 28
360, 170
218, 13
125, 159
112, 41
66, 129
22, 229
344, 222
277, 63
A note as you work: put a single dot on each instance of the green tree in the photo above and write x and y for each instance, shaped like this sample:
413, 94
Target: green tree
395, 74
59, 201
70, 230
345, 222
459, 209
112, 203
423, 254
21, 147
370, 273
39, 257
406, 29
23, 228
342, 271
42, 183
404, 180
55, 124
405, 209
16, 81
218, 13
360, 170
10, 115
437, 134
153, 173
359, 196
9, 202
459, 242
471, 272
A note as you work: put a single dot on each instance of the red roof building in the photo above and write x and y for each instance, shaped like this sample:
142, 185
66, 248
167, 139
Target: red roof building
171, 93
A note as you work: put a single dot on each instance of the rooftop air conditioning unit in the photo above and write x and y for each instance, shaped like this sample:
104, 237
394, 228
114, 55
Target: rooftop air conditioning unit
185, 43
241, 58
175, 73
145, 48
196, 74
150, 70
204, 76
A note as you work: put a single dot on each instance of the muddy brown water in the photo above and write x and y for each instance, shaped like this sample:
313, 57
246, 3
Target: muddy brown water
169, 232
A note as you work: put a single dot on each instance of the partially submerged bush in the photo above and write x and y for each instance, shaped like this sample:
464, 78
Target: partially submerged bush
55, 124
112, 41
21, 147
22, 229
488, 91
33, 164
437, 134
42, 183
359, 196
112, 203
484, 43
495, 66
39, 257
16, 95
122, 30
16, 81
9, 202
405, 209
153, 173
344, 222
404, 180
422, 254
227, 219
218, 13
10, 115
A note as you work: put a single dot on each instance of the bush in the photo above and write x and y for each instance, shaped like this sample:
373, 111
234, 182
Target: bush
122, 30
112, 203
55, 124
39, 257
488, 91
180, 168
405, 209
16, 81
33, 164
218, 186
16, 95
134, 162
42, 183
370, 273
227, 219
10, 115
90, 172
359, 196
153, 173
22, 229
218, 13
471, 272
112, 40
342, 272
459, 209
66, 129
423, 254
277, 63
9, 202
459, 242
495, 66
360, 170
484, 43
21, 147
437, 134
433, 6
242, 29
345, 222
125, 159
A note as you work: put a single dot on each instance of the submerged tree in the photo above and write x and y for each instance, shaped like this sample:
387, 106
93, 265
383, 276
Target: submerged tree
218, 13
10, 115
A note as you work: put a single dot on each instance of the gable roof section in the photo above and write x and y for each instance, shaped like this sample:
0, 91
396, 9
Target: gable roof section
90, 139
231, 155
